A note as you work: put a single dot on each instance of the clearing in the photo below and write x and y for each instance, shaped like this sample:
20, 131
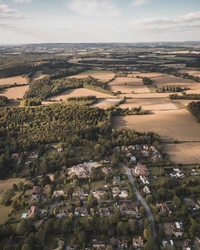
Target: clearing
15, 92
38, 75
12, 80
102, 75
79, 92
170, 125
185, 153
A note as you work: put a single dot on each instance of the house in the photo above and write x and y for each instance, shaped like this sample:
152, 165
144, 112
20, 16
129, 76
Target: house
187, 245
98, 244
144, 179
163, 209
98, 193
106, 211
190, 204
141, 170
33, 212
168, 244
60, 149
129, 208
81, 211
58, 193
177, 229
107, 170
36, 190
146, 190
15, 155
138, 243
133, 159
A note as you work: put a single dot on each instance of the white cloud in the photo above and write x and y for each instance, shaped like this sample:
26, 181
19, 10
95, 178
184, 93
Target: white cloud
6, 10
95, 8
139, 2
22, 1
186, 22
10, 14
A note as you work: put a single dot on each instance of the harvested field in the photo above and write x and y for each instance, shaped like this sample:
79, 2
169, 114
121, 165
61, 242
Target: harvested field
149, 104
15, 92
185, 153
106, 103
102, 75
195, 73
149, 75
146, 95
128, 85
170, 125
126, 81
176, 66
178, 81
79, 92
12, 80
38, 75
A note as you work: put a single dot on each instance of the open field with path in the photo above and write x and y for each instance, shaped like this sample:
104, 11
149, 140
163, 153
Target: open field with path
185, 153
102, 75
170, 125
12, 80
15, 92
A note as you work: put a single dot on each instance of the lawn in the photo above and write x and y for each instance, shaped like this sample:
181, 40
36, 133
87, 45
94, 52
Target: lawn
4, 211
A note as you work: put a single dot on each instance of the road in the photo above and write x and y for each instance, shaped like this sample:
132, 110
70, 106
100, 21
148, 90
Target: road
142, 200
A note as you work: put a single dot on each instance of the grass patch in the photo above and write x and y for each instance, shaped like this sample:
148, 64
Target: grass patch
179, 105
4, 211
97, 184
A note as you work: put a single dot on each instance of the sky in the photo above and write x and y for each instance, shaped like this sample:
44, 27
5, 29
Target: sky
77, 21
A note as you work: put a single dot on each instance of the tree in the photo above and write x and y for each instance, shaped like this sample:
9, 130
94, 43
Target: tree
177, 201
26, 247
7, 196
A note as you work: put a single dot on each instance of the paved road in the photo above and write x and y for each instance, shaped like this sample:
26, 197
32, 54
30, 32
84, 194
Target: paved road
141, 199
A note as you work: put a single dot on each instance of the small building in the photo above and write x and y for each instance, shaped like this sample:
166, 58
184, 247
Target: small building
146, 190
33, 212
138, 243
141, 170
177, 229
98, 244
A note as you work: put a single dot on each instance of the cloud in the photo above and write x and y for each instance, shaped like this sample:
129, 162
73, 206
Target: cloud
22, 1
139, 2
6, 10
94, 8
10, 14
186, 22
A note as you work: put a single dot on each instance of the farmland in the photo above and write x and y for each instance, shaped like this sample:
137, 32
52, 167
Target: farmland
151, 104
15, 92
12, 80
102, 75
170, 125
185, 153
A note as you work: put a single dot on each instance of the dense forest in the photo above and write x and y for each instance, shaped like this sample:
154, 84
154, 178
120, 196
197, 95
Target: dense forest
28, 128
47, 87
